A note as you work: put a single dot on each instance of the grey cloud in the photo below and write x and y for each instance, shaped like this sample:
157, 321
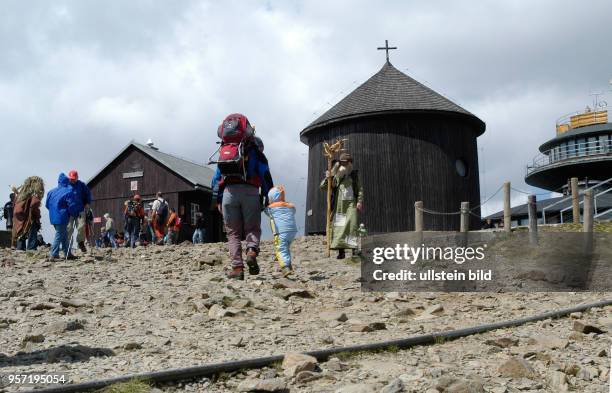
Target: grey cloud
79, 80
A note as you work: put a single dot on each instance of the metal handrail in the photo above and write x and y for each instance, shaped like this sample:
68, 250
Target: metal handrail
570, 197
572, 152
567, 119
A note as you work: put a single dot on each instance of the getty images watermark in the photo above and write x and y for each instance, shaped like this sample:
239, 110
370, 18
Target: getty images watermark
487, 262
411, 255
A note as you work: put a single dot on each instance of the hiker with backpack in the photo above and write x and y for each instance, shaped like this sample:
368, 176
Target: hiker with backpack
160, 211
109, 230
174, 226
134, 213
82, 197
62, 206
240, 185
200, 229
8, 211
347, 203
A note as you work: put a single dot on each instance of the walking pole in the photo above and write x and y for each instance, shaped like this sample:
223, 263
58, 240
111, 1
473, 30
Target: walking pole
329, 151
74, 228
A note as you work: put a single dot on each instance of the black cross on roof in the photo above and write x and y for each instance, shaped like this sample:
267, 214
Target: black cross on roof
387, 48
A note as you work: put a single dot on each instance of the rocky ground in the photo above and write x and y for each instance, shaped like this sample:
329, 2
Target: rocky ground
149, 309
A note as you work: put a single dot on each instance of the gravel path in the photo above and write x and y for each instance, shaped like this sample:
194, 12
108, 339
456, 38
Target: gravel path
156, 308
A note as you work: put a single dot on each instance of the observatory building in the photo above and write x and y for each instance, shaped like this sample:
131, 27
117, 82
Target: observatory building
409, 144
582, 148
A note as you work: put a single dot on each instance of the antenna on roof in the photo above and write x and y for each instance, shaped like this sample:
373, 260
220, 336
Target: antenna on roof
151, 145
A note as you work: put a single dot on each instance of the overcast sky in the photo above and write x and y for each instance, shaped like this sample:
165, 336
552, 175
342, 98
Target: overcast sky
80, 79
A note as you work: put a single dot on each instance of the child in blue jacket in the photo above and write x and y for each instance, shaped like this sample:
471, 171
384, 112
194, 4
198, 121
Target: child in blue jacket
284, 228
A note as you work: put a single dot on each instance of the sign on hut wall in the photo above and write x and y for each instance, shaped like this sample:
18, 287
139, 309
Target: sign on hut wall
134, 185
130, 175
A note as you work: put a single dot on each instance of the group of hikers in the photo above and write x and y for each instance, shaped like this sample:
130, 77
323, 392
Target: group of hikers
242, 188
69, 210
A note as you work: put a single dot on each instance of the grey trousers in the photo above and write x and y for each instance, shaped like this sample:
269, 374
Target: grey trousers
242, 219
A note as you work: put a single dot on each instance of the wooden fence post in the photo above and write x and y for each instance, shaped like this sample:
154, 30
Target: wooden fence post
587, 223
418, 216
465, 217
575, 201
418, 221
507, 211
533, 219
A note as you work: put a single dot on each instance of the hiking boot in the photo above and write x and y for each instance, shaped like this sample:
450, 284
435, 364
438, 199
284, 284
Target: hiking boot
71, 257
53, 258
237, 273
82, 247
251, 261
341, 254
287, 271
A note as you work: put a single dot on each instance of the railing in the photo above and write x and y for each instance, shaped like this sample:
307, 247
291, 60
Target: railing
580, 119
596, 186
570, 151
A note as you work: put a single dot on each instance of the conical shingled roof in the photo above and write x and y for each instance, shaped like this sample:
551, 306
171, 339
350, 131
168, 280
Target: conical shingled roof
389, 90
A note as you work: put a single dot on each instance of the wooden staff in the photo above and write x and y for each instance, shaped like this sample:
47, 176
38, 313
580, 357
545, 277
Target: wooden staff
329, 151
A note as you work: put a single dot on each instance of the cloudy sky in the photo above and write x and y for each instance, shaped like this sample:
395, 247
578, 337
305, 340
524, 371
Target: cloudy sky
80, 79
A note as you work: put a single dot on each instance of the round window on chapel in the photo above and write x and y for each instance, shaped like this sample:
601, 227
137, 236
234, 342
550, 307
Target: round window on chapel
461, 167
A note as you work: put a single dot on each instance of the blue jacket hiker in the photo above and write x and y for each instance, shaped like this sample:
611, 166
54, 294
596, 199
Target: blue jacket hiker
284, 228
62, 206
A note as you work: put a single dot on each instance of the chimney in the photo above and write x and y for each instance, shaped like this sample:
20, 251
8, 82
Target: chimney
151, 145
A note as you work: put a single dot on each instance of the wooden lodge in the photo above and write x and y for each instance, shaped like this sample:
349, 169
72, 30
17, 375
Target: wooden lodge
144, 170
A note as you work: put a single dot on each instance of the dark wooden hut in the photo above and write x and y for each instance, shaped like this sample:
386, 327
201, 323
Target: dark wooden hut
144, 170
409, 143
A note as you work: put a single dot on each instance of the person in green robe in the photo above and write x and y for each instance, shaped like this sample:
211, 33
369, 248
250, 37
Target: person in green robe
347, 203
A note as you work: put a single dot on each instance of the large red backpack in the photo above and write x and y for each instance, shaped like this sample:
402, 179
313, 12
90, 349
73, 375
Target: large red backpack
235, 133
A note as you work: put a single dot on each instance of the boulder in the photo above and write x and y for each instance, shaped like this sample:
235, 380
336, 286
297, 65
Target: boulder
262, 385
293, 363
517, 368
586, 328
333, 316
395, 386
557, 380
76, 303
503, 342
549, 342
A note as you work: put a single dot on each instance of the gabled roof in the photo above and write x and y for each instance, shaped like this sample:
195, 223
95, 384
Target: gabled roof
196, 174
389, 90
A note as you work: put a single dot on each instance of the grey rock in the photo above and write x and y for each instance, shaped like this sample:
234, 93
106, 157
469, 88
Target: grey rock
262, 385
557, 380
307, 376
586, 328
44, 306
587, 373
549, 342
334, 364
465, 386
76, 303
294, 362
503, 342
33, 338
333, 315
358, 388
395, 386
517, 368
